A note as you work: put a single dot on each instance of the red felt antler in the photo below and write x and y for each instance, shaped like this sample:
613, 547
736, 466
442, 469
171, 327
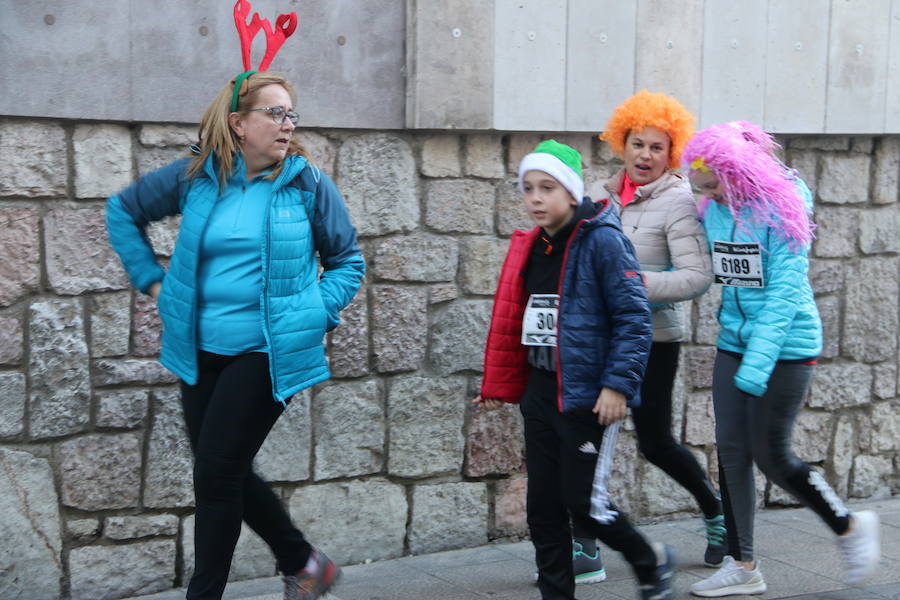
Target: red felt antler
285, 25
245, 32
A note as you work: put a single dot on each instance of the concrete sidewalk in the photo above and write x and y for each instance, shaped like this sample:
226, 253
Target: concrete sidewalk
797, 552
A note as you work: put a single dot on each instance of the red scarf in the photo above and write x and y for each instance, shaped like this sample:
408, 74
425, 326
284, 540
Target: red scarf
626, 194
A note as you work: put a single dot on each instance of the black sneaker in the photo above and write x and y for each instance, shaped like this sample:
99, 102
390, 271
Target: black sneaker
661, 587
715, 541
586, 561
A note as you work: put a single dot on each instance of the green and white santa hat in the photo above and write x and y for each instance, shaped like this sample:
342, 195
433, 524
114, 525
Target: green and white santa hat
559, 161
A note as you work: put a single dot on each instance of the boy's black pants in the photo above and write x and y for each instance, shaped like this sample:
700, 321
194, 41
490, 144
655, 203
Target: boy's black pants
229, 413
569, 459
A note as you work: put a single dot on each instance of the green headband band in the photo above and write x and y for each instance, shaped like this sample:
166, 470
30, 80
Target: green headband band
238, 82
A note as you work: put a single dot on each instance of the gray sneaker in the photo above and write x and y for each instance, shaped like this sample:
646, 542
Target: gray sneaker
587, 565
731, 580
309, 585
586, 561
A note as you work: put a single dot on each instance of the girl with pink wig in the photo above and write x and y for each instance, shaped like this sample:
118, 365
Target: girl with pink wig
757, 215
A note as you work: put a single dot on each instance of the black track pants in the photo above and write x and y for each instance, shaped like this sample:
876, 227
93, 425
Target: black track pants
569, 458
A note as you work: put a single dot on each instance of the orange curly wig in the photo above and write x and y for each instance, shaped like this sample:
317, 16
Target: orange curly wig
646, 109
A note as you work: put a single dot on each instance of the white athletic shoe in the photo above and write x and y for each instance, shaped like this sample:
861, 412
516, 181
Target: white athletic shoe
730, 580
861, 548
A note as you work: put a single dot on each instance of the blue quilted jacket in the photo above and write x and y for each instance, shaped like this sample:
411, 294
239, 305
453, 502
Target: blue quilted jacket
778, 321
604, 327
297, 306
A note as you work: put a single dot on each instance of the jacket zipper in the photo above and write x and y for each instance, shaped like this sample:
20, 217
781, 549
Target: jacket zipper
640, 216
194, 311
266, 309
618, 201
559, 288
737, 298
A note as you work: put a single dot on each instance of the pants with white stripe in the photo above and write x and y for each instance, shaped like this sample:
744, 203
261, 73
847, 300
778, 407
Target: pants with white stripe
569, 459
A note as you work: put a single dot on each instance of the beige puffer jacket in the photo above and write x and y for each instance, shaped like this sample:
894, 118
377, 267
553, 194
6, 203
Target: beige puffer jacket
670, 243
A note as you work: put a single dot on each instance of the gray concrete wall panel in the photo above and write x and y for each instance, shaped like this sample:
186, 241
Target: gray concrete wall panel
796, 66
600, 60
65, 59
530, 65
669, 49
734, 62
857, 66
182, 54
451, 64
350, 62
165, 60
892, 110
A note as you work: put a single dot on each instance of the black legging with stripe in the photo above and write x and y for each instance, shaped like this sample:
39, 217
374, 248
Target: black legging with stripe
752, 429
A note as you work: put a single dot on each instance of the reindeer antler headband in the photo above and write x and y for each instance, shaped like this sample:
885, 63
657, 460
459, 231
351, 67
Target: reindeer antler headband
285, 25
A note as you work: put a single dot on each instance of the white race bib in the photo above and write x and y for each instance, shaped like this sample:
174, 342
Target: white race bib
738, 264
539, 322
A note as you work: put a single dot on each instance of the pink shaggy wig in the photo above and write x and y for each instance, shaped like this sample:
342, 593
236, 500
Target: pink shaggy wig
741, 155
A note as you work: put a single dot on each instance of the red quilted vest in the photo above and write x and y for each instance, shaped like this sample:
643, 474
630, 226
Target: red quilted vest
505, 358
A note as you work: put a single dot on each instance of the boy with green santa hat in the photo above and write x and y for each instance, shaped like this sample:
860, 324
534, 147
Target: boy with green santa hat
568, 341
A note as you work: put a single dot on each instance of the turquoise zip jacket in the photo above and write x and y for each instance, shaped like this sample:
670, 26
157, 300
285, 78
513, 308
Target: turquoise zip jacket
779, 321
306, 216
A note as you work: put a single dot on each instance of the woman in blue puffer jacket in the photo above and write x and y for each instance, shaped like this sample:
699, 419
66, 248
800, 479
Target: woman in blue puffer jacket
244, 308
757, 217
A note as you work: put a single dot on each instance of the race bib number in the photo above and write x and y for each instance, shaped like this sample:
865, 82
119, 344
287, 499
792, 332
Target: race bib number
738, 264
539, 322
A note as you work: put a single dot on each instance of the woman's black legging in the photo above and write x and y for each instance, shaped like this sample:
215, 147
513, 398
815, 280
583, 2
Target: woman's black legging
653, 425
229, 413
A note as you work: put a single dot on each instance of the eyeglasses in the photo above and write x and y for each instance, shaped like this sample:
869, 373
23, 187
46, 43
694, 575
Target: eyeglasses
278, 114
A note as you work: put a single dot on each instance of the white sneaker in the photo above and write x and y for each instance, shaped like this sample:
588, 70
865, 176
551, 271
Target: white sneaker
861, 548
730, 580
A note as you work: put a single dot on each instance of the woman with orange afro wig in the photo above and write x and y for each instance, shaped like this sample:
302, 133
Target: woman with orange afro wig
649, 132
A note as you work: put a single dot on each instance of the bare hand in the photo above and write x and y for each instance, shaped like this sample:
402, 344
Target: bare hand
153, 290
610, 406
488, 403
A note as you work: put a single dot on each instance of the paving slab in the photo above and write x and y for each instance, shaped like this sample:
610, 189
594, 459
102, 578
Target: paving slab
890, 592
799, 558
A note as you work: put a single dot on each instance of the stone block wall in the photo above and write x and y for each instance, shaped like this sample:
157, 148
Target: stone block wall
388, 458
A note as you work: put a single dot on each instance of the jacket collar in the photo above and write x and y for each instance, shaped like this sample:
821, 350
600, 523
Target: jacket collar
293, 165
667, 180
606, 215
